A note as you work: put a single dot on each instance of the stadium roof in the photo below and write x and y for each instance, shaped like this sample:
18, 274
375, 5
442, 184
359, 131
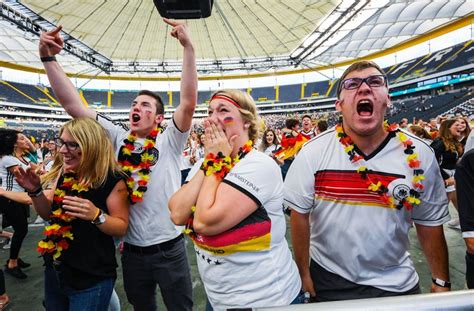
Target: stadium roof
241, 36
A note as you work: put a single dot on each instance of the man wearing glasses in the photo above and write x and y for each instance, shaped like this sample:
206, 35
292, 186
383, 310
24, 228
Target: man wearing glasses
355, 192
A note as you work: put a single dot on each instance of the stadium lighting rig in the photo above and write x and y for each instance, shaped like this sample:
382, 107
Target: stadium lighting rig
28, 21
348, 14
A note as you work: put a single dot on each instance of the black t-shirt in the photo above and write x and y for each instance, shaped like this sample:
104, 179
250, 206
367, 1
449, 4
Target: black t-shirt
465, 190
447, 159
90, 257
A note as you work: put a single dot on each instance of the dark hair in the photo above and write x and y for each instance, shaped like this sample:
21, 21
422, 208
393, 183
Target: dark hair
450, 142
8, 138
263, 144
291, 123
306, 116
322, 125
160, 109
357, 66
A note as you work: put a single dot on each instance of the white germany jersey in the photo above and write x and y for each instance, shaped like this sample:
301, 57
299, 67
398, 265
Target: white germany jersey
250, 265
354, 233
149, 221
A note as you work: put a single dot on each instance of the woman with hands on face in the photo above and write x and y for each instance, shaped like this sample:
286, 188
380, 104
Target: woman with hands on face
90, 205
232, 208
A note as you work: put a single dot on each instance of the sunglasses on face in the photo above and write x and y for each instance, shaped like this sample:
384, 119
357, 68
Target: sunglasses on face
372, 81
70, 145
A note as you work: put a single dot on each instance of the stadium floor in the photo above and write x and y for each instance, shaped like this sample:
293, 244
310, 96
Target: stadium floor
28, 294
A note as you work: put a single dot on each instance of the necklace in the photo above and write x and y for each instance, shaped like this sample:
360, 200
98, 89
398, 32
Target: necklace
143, 168
58, 232
413, 198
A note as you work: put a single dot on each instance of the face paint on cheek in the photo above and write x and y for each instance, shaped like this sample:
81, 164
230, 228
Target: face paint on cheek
228, 121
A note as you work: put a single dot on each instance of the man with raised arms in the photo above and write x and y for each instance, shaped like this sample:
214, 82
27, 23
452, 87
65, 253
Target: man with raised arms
154, 251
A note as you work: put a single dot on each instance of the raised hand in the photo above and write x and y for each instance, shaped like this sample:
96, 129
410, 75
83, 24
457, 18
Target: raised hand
28, 179
51, 42
180, 31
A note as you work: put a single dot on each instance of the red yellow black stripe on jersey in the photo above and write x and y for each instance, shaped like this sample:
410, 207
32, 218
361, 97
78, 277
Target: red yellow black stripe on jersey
251, 235
349, 187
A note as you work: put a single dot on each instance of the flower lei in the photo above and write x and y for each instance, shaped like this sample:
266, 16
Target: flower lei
143, 167
220, 165
58, 232
413, 162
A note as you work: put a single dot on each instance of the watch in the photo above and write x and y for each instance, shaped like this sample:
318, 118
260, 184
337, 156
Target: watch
442, 283
100, 219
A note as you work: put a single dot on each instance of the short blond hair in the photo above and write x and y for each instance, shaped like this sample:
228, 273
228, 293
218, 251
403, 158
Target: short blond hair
248, 109
97, 159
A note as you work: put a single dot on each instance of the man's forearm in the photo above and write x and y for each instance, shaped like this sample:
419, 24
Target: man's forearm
300, 241
65, 91
436, 251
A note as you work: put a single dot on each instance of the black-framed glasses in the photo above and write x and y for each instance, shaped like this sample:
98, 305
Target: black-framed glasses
372, 81
70, 145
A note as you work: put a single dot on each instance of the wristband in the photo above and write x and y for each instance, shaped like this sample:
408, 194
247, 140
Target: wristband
96, 215
35, 193
441, 283
48, 59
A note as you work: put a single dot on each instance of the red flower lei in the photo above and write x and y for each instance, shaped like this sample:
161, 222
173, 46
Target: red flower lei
147, 158
58, 232
413, 198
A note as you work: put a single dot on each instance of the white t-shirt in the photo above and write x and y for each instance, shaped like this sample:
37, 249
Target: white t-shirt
469, 142
149, 221
9, 182
271, 149
250, 265
354, 233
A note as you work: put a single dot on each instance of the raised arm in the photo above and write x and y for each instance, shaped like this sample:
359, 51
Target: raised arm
188, 89
51, 43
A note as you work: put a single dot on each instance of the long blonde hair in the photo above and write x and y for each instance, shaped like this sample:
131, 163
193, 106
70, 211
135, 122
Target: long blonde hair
97, 159
248, 109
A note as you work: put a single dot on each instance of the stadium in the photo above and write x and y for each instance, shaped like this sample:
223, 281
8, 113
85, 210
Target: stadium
288, 56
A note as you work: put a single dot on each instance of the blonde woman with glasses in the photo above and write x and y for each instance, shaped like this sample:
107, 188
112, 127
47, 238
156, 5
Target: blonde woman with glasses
89, 207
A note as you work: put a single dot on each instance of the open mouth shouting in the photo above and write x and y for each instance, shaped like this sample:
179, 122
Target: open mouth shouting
135, 117
365, 108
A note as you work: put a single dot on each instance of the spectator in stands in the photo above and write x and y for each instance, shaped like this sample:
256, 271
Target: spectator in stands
352, 217
307, 129
464, 177
89, 206
15, 209
403, 123
238, 226
270, 145
464, 128
421, 133
289, 144
432, 128
448, 150
322, 126
49, 157
154, 251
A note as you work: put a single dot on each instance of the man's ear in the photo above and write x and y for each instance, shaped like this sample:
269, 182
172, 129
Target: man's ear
159, 118
338, 104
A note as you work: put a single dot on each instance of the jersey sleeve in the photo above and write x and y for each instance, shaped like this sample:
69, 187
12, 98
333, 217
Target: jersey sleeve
115, 129
433, 210
194, 170
257, 177
9, 162
175, 138
299, 184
